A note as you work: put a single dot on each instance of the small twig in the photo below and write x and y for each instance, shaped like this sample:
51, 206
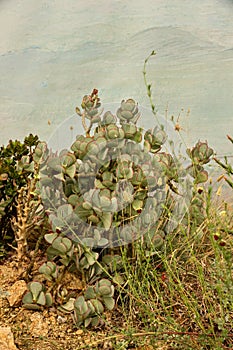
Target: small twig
230, 138
84, 123
148, 86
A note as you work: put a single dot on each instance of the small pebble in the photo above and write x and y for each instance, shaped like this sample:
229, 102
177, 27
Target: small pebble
61, 319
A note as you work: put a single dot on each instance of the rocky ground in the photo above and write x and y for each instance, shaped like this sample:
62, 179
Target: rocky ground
49, 329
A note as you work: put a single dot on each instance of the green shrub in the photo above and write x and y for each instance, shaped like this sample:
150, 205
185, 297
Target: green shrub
18, 200
115, 186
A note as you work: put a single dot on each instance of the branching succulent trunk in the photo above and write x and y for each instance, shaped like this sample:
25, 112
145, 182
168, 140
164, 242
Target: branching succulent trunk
25, 219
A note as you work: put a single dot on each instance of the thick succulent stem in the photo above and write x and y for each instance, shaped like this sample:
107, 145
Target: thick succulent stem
25, 219
20, 224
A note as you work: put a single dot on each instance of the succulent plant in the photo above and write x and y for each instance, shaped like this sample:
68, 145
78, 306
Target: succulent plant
200, 154
49, 270
197, 210
115, 176
67, 307
90, 105
16, 164
112, 187
198, 173
88, 259
154, 139
60, 246
128, 112
40, 153
108, 118
83, 311
79, 147
36, 297
89, 307
20, 215
110, 177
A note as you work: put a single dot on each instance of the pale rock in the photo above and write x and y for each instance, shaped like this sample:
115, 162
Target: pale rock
7, 339
39, 326
16, 292
61, 319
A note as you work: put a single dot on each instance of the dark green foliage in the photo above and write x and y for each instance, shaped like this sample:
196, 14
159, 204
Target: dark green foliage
16, 170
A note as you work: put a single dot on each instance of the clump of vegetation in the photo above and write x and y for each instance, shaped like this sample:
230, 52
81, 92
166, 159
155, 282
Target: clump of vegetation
36, 297
116, 186
124, 216
21, 213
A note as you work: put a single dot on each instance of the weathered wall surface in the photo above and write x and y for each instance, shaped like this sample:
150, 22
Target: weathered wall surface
52, 52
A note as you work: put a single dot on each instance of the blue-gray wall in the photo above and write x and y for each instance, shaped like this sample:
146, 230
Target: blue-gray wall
52, 52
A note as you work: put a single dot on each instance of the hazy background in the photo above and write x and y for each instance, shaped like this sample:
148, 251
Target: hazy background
52, 52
